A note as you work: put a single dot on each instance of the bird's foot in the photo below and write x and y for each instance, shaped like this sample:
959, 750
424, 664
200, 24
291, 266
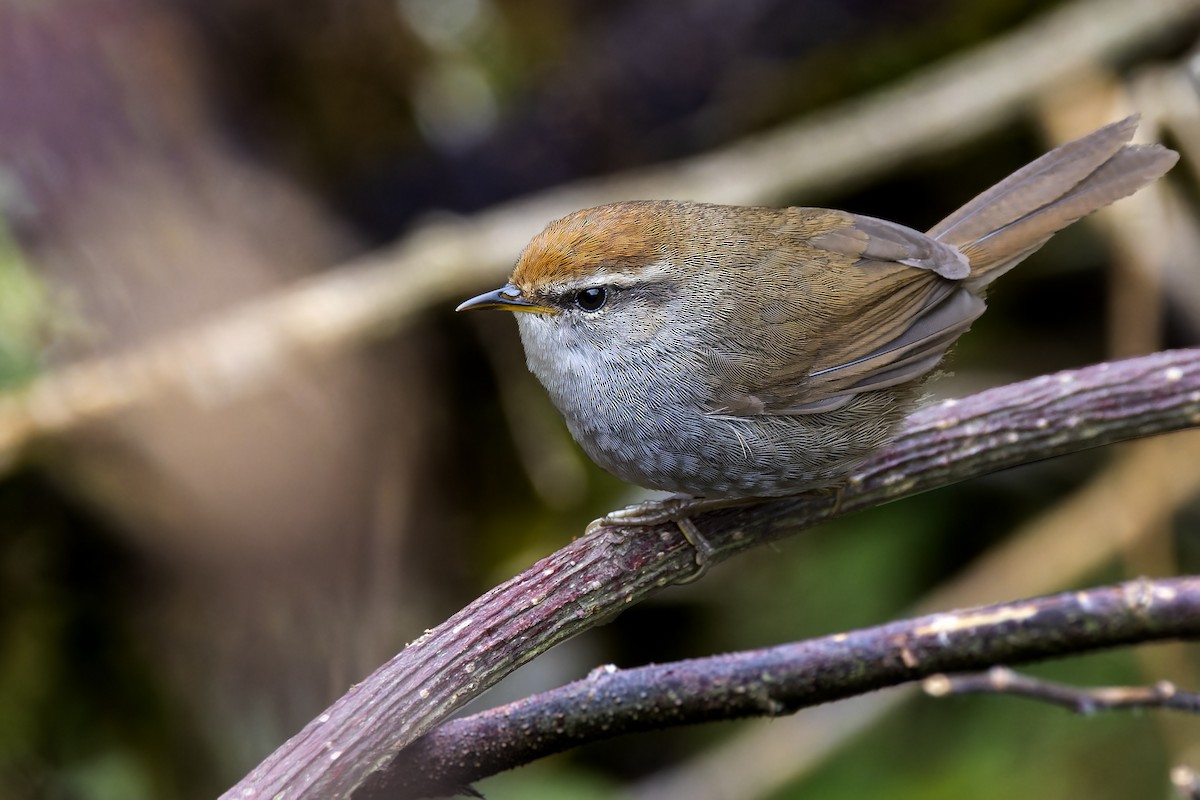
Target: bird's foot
678, 509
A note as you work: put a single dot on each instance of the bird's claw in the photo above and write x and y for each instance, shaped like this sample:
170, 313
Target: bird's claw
656, 512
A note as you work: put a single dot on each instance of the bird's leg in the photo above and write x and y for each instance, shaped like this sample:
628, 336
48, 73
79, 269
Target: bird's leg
838, 490
703, 550
678, 509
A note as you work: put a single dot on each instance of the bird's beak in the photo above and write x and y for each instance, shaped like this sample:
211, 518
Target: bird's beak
506, 298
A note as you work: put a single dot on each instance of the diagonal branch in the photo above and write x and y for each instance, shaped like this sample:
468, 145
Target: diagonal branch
784, 679
598, 575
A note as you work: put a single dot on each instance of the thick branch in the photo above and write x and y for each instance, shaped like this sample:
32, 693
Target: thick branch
599, 575
787, 678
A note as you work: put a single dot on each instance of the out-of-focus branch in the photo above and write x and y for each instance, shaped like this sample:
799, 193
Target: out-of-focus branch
939, 107
1002, 680
784, 679
1186, 783
600, 574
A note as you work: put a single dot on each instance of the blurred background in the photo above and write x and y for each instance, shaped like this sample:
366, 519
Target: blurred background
248, 451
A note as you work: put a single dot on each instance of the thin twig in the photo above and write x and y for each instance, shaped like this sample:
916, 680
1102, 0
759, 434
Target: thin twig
601, 574
1002, 680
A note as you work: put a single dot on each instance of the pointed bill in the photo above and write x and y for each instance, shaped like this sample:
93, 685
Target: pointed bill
506, 298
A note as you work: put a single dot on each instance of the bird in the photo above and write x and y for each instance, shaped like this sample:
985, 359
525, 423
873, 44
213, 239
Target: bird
728, 353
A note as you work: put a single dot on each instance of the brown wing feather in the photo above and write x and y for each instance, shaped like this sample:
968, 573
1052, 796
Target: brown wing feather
887, 316
892, 300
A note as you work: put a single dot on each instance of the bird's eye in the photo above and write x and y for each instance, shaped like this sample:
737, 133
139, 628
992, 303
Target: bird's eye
592, 298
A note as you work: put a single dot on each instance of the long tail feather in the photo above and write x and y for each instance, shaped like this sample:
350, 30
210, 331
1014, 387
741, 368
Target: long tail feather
1015, 217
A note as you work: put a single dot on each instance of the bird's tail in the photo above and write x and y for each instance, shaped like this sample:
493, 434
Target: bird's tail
1015, 217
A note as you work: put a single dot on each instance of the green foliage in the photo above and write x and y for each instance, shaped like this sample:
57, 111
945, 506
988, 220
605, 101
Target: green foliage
551, 779
23, 313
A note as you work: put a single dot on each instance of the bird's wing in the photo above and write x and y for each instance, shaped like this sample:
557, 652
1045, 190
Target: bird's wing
862, 306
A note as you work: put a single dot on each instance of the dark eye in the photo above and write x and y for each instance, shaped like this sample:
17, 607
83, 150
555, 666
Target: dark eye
591, 298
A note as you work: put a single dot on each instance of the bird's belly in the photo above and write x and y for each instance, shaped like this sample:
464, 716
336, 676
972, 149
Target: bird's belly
708, 455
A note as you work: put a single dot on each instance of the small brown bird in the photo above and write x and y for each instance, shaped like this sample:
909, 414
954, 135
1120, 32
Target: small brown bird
732, 352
